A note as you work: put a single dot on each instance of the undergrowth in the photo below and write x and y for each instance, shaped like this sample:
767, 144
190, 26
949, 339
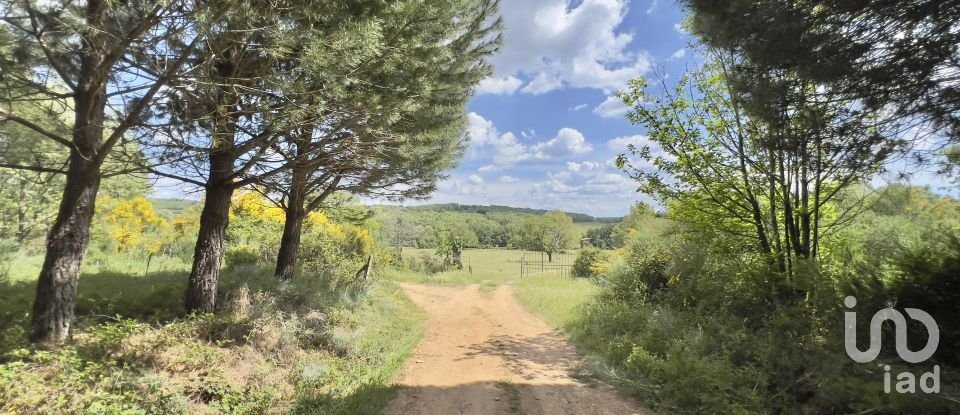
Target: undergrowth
275, 348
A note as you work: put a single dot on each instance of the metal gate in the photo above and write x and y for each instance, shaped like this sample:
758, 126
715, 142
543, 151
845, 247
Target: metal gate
541, 264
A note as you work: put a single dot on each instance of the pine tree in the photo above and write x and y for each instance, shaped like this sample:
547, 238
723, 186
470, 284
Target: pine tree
106, 61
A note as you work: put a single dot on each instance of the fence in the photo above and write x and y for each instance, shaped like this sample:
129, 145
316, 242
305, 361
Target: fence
541, 264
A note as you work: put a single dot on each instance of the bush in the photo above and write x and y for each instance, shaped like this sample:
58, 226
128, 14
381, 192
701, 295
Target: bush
928, 278
242, 255
589, 263
8, 250
692, 326
426, 264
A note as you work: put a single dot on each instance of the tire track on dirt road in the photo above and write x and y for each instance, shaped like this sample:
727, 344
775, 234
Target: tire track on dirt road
484, 354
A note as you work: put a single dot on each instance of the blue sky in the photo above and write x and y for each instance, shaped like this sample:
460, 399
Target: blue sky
545, 128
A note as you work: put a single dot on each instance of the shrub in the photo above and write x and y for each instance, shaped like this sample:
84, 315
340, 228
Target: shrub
426, 263
8, 250
589, 263
242, 255
694, 327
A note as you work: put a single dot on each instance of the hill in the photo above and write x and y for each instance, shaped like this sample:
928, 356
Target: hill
171, 208
485, 209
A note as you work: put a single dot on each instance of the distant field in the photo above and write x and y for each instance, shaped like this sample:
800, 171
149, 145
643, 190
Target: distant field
497, 265
554, 298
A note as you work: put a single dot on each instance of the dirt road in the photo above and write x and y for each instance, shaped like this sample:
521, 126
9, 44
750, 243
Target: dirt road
484, 354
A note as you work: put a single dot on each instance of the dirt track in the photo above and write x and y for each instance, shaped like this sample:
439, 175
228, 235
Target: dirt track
484, 354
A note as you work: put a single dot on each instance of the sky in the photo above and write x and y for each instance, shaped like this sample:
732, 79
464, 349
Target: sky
545, 128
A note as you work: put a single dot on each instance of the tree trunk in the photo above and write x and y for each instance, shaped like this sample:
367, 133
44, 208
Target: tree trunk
53, 308
208, 254
292, 229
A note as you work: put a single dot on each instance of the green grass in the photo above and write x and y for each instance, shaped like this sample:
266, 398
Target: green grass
299, 349
554, 298
381, 335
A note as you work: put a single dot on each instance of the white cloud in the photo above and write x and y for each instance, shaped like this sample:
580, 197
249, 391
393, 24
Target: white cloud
542, 83
499, 86
505, 149
612, 107
474, 179
621, 143
459, 187
489, 169
583, 166
555, 45
568, 142
679, 54
574, 186
679, 28
480, 130
578, 107
582, 184
653, 7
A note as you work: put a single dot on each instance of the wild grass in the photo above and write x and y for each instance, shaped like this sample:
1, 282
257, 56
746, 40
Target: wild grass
557, 300
275, 348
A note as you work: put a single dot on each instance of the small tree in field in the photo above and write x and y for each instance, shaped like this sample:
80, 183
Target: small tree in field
550, 233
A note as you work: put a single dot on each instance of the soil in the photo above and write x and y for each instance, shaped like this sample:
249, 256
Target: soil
484, 354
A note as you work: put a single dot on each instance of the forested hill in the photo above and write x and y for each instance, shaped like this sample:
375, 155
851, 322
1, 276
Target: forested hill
172, 207
482, 209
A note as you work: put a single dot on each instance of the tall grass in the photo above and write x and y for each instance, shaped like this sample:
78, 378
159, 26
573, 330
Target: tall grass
558, 300
275, 348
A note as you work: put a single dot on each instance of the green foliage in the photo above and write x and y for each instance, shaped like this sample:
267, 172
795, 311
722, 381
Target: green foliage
8, 250
241, 255
727, 170
426, 263
927, 277
692, 324
601, 237
553, 232
589, 263
480, 226
260, 362
857, 50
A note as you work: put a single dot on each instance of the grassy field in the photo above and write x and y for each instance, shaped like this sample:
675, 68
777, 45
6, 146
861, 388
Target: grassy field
553, 297
296, 349
299, 349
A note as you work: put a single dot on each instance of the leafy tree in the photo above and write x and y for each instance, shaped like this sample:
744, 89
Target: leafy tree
550, 233
877, 53
601, 237
640, 219
770, 179
589, 263
96, 58
393, 133
229, 113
